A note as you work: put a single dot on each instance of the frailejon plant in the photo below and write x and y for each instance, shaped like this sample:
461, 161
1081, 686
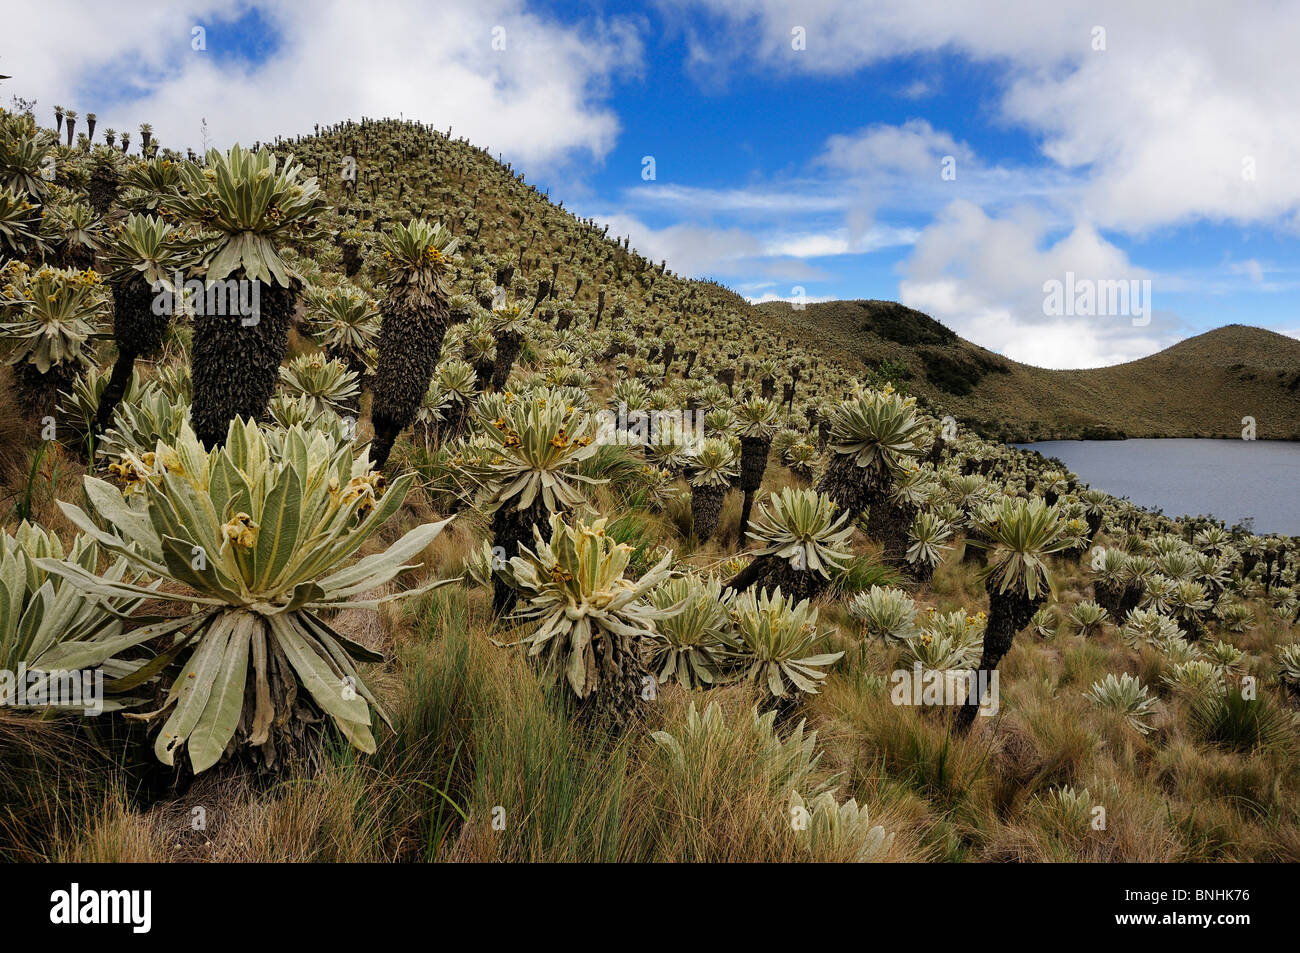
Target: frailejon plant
837, 833
694, 646
345, 322
776, 635
1088, 618
592, 619
325, 382
20, 224
801, 540
1126, 696
1288, 663
417, 261
51, 631
257, 545
79, 404
50, 316
248, 205
1023, 534
875, 438
142, 257
758, 421
1194, 677
508, 322
886, 613
458, 386
927, 542
531, 470
148, 415
710, 470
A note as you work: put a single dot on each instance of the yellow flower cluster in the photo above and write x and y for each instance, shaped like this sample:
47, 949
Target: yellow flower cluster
366, 488
241, 530
131, 473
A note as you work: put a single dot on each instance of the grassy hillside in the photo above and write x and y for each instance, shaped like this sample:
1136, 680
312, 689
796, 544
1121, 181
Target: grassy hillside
669, 704
1200, 387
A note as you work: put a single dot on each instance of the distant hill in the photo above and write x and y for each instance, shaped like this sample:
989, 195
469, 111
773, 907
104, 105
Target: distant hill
1200, 387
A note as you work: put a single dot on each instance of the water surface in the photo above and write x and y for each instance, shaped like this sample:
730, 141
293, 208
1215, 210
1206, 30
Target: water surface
1231, 479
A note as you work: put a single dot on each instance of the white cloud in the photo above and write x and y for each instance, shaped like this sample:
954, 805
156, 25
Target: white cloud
913, 148
984, 277
540, 101
843, 241
1159, 123
773, 296
1250, 268
797, 198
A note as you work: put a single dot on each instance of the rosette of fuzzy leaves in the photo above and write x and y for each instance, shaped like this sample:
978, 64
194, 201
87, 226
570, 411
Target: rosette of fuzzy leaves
694, 645
776, 635
48, 626
801, 540
257, 545
50, 315
345, 322
248, 205
592, 619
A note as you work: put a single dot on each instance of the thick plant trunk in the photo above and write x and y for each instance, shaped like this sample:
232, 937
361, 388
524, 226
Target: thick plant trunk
770, 572
888, 523
410, 343
706, 507
138, 332
508, 347
453, 423
510, 527
236, 366
103, 190
1008, 614
922, 572
753, 463
38, 394
845, 483
114, 390
624, 679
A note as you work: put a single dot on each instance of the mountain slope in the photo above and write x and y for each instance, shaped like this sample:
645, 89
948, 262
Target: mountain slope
1200, 387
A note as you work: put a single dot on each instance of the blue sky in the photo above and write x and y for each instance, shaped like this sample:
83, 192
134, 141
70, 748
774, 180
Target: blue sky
1115, 155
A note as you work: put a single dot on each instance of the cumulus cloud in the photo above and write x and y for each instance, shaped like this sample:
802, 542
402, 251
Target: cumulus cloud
1186, 113
540, 100
987, 279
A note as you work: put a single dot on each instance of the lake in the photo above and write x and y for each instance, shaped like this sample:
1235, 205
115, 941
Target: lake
1231, 479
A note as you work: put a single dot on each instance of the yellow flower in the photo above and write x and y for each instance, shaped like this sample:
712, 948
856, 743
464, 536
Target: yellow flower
241, 530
